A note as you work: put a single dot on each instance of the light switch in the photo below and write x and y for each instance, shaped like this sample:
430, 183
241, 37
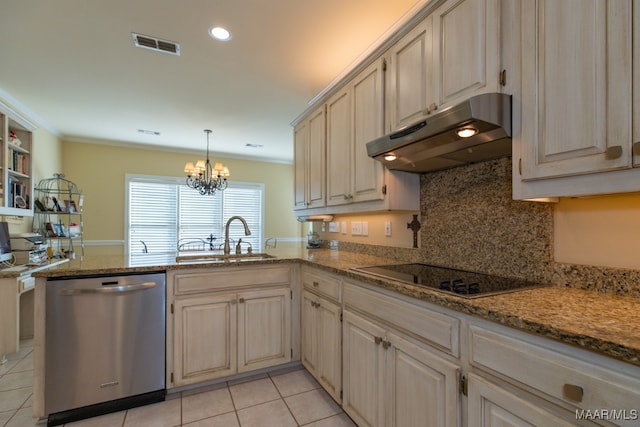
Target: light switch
333, 227
365, 228
343, 227
387, 228
356, 228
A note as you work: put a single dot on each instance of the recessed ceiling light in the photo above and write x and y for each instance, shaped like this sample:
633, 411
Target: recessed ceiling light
220, 33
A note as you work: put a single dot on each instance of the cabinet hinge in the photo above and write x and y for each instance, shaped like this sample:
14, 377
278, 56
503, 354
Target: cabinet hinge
340, 394
384, 68
172, 377
503, 78
171, 313
520, 165
384, 189
291, 293
341, 317
463, 385
292, 353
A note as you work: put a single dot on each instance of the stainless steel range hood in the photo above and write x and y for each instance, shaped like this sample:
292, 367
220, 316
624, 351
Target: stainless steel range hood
434, 143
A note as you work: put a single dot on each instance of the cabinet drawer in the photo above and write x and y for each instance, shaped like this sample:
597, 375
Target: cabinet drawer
575, 376
322, 284
229, 278
437, 329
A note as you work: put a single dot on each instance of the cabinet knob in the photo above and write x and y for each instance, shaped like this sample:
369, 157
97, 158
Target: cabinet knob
316, 284
241, 300
572, 392
377, 340
613, 152
386, 344
433, 106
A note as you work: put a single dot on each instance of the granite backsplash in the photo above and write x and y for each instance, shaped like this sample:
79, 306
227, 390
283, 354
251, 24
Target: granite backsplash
470, 221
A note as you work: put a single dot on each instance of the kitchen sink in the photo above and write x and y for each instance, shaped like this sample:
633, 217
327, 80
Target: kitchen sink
211, 258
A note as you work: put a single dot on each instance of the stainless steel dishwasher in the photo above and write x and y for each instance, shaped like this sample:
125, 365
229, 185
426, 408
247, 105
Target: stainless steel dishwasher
105, 344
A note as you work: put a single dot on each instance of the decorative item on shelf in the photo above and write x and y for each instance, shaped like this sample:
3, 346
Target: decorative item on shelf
13, 138
203, 177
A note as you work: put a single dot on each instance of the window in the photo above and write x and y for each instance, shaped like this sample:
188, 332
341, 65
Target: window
163, 213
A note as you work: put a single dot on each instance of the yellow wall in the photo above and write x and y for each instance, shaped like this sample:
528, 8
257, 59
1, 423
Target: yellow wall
602, 231
400, 237
99, 171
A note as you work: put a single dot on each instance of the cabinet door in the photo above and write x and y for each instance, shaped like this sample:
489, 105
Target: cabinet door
264, 329
576, 87
410, 83
204, 338
491, 406
329, 347
309, 332
363, 371
339, 143
315, 162
300, 154
368, 124
466, 44
422, 387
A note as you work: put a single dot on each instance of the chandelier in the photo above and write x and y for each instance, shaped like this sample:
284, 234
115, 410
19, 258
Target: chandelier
204, 178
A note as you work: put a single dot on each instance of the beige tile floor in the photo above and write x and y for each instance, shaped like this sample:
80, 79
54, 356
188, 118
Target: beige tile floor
282, 398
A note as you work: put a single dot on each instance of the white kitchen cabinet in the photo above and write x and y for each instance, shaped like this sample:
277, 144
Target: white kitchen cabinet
409, 87
389, 380
227, 321
391, 376
264, 328
355, 116
576, 87
339, 148
322, 341
466, 50
452, 55
321, 351
309, 161
559, 382
204, 338
490, 405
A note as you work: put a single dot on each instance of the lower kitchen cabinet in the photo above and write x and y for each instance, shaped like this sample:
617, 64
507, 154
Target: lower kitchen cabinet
264, 329
221, 325
391, 380
204, 338
549, 383
490, 405
322, 342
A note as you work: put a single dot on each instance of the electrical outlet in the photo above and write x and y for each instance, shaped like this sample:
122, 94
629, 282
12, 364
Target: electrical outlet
343, 227
387, 228
333, 227
356, 228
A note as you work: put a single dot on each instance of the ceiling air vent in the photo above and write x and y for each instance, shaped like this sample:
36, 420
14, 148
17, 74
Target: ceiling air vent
158, 45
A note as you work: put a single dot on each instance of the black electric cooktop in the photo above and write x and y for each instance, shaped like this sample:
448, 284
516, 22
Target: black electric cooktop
459, 282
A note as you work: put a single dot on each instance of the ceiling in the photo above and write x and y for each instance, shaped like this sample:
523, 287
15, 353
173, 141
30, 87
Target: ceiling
72, 66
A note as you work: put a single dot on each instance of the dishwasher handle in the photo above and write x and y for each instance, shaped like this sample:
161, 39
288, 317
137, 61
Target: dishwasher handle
108, 289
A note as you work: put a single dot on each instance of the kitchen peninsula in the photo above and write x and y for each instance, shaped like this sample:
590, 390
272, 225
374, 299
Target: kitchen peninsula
553, 330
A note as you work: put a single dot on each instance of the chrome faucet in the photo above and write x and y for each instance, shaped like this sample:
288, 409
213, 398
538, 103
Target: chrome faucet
247, 232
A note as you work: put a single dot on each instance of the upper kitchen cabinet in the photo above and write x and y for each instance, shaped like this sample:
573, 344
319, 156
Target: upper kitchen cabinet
410, 91
576, 87
309, 161
466, 50
16, 151
451, 55
355, 116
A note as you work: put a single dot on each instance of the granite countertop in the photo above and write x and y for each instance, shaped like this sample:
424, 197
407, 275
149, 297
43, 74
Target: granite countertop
603, 323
